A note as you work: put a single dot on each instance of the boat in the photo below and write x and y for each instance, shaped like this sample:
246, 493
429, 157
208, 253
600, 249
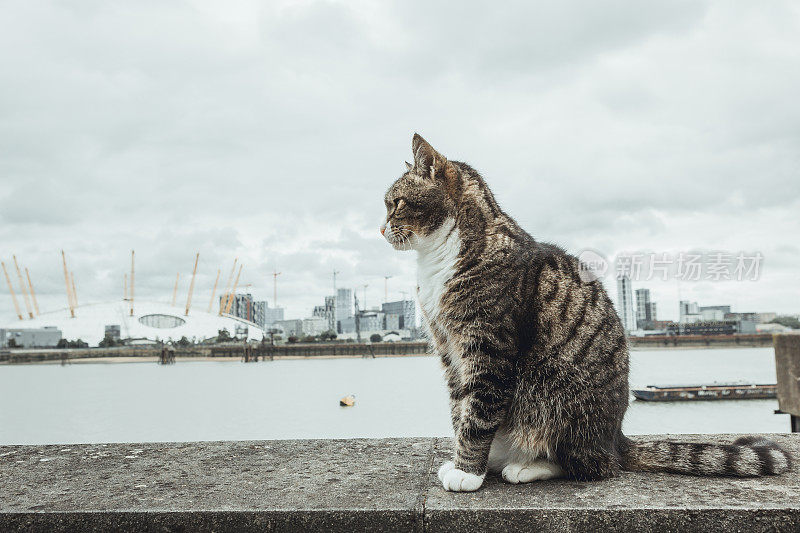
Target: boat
714, 391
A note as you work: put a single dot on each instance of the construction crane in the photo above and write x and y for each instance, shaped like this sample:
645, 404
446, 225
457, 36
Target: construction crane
386, 288
132, 283
191, 284
225, 295
23, 289
74, 292
275, 288
11, 291
213, 292
33, 294
357, 317
233, 291
175, 289
67, 284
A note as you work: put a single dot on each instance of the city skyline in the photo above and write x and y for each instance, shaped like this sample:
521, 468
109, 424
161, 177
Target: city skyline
270, 133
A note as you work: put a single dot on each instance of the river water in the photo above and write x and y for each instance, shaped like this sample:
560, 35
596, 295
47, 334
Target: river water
395, 397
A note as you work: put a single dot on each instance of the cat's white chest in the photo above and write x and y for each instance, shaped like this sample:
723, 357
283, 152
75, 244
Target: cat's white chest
436, 264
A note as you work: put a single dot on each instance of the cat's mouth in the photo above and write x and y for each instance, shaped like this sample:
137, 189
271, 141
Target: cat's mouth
398, 239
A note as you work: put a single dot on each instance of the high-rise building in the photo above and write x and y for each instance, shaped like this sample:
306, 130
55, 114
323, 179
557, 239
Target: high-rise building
241, 307
272, 315
344, 307
625, 302
688, 312
400, 314
645, 309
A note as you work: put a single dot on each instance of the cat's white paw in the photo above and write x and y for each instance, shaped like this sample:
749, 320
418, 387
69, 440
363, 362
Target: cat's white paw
445, 468
459, 481
536, 471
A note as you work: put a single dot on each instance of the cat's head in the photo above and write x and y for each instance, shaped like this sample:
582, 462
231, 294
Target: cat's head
421, 200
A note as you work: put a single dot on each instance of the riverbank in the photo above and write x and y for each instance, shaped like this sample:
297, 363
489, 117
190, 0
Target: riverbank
236, 351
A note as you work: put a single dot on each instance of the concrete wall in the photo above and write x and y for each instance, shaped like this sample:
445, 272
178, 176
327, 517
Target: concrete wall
359, 485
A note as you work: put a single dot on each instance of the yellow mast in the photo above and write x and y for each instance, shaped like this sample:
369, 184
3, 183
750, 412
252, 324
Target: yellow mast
175, 288
11, 290
132, 283
23, 289
213, 292
224, 303
74, 292
66, 283
191, 284
33, 294
233, 291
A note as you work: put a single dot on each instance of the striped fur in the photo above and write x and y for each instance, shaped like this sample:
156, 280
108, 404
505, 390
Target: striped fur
535, 357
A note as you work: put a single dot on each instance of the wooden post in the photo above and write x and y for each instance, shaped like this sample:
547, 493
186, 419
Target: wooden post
191, 284
11, 291
66, 283
23, 289
175, 288
787, 369
33, 294
213, 292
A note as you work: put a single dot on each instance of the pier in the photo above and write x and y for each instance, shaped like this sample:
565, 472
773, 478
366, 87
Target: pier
359, 485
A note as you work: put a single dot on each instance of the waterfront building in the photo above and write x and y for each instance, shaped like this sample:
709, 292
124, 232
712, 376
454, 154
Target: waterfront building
113, 331
272, 315
625, 303
344, 307
291, 327
688, 312
151, 321
399, 315
645, 309
241, 307
315, 325
46, 337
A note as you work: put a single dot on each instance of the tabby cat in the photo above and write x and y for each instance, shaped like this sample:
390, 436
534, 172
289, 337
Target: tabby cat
535, 356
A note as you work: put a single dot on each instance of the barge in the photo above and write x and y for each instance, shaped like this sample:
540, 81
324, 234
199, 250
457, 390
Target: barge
714, 391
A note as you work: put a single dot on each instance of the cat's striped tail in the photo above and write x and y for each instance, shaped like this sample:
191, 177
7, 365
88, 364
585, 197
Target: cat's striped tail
746, 457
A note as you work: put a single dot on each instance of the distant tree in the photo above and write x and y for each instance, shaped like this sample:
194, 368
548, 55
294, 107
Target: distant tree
788, 321
292, 339
108, 342
12, 343
375, 337
62, 343
183, 341
309, 338
327, 335
78, 343
224, 336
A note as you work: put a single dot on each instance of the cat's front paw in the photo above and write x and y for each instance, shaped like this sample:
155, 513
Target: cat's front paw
444, 469
459, 481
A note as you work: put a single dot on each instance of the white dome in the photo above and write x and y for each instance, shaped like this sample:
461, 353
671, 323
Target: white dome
150, 320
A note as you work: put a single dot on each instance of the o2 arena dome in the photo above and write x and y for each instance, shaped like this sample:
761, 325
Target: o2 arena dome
150, 321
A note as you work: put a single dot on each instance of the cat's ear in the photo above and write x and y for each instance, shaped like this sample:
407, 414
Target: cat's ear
426, 157
409, 166
429, 162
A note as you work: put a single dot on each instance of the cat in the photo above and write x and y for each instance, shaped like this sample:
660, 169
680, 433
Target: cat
535, 355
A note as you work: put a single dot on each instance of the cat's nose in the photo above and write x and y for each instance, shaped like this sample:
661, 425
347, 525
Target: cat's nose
383, 229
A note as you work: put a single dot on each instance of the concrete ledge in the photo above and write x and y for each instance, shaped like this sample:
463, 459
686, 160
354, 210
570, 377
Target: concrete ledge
357, 485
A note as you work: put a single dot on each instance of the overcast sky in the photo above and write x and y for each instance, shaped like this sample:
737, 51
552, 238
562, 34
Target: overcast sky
269, 131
